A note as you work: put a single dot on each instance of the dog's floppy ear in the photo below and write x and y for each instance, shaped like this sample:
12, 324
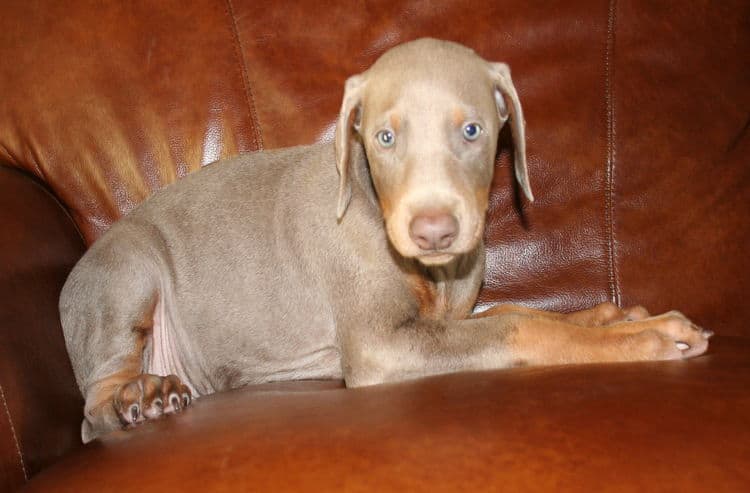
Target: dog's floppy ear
349, 120
509, 106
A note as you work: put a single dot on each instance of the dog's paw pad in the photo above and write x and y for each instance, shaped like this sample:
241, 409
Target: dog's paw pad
150, 397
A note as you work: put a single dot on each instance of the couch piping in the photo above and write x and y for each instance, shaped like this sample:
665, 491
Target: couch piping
13, 433
249, 97
611, 162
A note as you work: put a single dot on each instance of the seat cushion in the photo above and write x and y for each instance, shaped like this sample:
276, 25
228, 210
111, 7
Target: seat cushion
679, 426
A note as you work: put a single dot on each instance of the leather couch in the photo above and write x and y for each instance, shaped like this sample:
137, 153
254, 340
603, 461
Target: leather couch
637, 115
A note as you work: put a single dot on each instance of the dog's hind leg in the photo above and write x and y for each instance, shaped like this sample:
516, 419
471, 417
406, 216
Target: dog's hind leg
129, 396
110, 308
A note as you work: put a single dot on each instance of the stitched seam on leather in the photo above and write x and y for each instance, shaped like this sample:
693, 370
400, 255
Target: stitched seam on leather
609, 189
13, 433
249, 98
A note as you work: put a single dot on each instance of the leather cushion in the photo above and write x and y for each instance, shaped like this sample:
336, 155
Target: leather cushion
677, 426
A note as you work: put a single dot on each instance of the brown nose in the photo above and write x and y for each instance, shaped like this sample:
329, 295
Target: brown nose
433, 230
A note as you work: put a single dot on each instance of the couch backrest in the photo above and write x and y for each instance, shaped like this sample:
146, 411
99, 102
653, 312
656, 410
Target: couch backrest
637, 117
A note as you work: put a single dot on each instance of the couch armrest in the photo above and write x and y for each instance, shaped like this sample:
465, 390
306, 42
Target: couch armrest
40, 404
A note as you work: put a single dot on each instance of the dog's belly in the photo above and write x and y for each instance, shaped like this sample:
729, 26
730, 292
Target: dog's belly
241, 343
280, 345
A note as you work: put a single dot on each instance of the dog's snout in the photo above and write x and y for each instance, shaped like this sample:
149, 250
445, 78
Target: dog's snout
433, 230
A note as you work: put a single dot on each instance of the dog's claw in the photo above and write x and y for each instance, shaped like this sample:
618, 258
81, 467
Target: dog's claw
174, 402
134, 412
682, 346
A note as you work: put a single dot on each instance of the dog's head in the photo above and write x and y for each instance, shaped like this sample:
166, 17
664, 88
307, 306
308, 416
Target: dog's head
428, 113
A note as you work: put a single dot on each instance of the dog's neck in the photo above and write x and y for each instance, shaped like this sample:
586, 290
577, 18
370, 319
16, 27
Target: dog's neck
447, 291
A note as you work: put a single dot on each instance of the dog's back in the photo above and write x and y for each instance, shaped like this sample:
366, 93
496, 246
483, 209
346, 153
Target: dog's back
212, 273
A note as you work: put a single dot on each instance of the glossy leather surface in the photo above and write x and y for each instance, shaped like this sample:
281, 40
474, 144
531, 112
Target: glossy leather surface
109, 102
40, 406
637, 125
636, 115
534, 429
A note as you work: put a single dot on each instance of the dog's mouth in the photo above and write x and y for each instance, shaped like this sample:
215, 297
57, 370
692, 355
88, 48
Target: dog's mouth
436, 258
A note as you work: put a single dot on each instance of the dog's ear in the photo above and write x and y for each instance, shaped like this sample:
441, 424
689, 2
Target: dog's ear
509, 107
348, 121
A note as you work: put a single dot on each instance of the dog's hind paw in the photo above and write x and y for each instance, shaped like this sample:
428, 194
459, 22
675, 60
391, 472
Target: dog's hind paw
149, 397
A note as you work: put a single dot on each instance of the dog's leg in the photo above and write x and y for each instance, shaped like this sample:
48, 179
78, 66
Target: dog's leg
128, 396
424, 347
602, 314
111, 315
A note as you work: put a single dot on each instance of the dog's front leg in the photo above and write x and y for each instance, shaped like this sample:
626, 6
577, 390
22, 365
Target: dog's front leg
602, 314
417, 348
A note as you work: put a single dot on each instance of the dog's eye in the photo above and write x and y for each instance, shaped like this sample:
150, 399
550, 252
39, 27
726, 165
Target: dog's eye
385, 138
472, 131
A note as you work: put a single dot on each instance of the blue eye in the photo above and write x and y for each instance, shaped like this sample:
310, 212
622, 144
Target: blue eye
385, 138
472, 131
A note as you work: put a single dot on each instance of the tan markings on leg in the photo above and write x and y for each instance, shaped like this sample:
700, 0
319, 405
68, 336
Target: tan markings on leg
508, 309
132, 365
636, 312
542, 341
104, 389
545, 341
606, 313
601, 314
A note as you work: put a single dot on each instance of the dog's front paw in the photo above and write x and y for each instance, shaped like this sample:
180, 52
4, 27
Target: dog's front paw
149, 397
606, 313
636, 312
665, 337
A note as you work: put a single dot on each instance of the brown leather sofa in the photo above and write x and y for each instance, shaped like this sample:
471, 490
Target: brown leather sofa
637, 116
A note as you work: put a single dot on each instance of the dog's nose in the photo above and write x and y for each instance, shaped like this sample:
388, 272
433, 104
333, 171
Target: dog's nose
433, 230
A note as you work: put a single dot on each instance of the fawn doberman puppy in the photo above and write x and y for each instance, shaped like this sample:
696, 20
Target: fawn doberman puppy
360, 260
